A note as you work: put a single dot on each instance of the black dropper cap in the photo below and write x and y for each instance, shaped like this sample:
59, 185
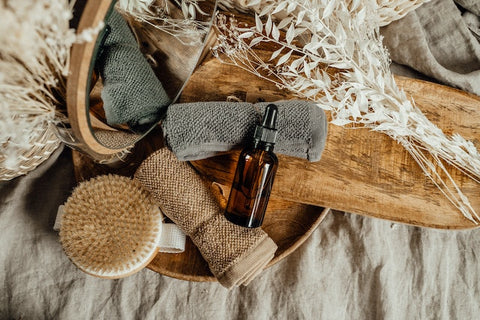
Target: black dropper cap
267, 131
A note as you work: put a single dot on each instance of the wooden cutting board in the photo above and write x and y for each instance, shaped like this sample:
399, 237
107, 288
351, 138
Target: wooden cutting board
360, 171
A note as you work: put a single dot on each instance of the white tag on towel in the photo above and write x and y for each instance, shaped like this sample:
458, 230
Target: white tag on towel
172, 239
58, 218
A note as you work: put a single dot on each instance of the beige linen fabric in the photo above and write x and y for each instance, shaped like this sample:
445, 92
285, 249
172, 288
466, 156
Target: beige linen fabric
352, 267
436, 41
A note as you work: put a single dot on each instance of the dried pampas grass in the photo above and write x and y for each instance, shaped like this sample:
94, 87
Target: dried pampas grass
178, 18
34, 57
389, 11
313, 36
35, 39
386, 10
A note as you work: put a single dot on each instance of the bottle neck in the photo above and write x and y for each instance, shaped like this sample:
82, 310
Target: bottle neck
262, 145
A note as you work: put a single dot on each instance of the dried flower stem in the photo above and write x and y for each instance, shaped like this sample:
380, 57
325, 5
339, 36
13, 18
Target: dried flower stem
34, 58
311, 38
177, 18
34, 62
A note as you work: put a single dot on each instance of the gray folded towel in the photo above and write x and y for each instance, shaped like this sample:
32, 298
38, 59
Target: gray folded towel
195, 131
131, 94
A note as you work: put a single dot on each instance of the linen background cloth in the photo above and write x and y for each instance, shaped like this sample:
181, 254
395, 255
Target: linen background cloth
352, 267
440, 41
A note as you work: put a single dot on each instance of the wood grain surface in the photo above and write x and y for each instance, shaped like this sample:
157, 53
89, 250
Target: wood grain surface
360, 171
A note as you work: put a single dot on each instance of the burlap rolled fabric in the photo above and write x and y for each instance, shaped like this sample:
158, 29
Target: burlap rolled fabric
234, 254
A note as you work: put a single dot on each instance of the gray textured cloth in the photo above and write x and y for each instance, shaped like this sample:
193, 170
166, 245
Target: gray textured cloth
131, 94
437, 41
200, 130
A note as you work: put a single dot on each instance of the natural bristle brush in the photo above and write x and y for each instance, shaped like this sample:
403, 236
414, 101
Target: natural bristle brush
111, 227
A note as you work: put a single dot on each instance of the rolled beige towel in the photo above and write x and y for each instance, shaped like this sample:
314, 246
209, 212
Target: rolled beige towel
234, 254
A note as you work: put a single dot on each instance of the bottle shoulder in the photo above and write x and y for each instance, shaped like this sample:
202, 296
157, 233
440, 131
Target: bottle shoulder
272, 156
266, 156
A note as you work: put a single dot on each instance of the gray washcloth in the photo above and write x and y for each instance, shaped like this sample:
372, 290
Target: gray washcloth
200, 130
131, 94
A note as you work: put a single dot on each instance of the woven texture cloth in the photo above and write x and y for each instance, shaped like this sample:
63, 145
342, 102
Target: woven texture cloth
116, 139
440, 41
234, 254
131, 93
200, 130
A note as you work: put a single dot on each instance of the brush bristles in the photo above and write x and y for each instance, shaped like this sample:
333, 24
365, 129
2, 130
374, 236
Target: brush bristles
111, 226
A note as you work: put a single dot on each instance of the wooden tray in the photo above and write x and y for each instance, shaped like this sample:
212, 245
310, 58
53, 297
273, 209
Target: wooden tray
360, 171
288, 223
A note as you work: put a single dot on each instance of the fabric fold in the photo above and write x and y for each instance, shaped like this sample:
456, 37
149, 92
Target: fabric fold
436, 40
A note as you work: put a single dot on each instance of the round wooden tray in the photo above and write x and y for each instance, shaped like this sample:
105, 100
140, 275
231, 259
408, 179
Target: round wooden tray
288, 223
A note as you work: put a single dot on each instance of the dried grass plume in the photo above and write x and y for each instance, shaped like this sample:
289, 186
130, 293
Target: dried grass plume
314, 36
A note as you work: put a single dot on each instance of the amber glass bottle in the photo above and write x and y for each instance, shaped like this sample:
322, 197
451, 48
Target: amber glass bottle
254, 175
